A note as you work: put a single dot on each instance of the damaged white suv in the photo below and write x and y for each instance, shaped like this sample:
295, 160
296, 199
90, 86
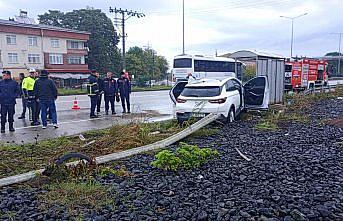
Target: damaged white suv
226, 97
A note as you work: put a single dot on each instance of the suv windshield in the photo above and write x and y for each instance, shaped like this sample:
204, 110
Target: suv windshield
201, 91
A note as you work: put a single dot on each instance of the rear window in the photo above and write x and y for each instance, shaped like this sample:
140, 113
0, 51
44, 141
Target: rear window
183, 63
201, 91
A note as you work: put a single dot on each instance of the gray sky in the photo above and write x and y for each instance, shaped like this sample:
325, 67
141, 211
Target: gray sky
222, 25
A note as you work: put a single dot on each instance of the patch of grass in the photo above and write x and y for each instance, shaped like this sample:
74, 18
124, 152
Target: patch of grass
153, 88
66, 91
76, 196
186, 157
9, 215
266, 125
204, 132
16, 158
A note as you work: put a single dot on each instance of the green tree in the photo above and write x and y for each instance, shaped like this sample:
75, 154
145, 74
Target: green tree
103, 52
145, 64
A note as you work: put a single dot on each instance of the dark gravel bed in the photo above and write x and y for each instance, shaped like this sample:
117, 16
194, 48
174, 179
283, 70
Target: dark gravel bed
328, 109
296, 173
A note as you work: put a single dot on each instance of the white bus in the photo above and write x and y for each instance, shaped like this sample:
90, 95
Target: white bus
205, 67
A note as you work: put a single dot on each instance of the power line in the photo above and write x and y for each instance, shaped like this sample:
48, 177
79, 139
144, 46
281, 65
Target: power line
235, 5
125, 15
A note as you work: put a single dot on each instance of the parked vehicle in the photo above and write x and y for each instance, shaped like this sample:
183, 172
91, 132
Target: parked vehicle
227, 97
205, 67
305, 74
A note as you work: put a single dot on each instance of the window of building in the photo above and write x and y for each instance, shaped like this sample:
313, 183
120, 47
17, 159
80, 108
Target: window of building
75, 60
11, 39
55, 43
12, 58
75, 44
55, 58
33, 41
34, 58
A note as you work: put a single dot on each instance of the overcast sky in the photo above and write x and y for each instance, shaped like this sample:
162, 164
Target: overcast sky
222, 25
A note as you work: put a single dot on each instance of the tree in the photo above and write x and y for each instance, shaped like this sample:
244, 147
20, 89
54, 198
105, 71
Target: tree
103, 52
333, 54
145, 64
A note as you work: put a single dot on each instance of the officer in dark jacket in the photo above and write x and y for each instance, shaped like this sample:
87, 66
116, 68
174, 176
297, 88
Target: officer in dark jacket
124, 86
101, 91
46, 93
110, 91
9, 90
23, 98
93, 92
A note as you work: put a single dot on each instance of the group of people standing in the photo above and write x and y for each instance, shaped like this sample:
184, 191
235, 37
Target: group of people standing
112, 89
38, 93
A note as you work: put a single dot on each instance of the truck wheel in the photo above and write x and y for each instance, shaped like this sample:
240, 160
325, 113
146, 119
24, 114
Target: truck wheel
231, 116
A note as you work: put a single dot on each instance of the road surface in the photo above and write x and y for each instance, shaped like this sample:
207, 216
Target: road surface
145, 106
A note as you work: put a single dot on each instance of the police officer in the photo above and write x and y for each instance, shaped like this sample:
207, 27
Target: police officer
9, 90
23, 99
124, 86
110, 91
32, 103
93, 92
101, 91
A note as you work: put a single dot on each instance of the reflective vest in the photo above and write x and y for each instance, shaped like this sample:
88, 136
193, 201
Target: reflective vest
28, 84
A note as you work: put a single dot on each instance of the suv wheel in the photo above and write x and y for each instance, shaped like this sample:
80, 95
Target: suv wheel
231, 116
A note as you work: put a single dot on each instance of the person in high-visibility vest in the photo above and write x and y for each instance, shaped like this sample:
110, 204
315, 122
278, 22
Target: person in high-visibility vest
33, 105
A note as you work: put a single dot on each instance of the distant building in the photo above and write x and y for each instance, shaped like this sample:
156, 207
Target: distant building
25, 44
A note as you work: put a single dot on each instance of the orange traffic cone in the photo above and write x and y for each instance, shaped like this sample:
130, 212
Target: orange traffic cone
75, 105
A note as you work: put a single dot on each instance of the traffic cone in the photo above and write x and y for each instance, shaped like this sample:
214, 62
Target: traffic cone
75, 105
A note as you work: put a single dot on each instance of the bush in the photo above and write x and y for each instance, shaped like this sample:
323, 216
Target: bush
186, 157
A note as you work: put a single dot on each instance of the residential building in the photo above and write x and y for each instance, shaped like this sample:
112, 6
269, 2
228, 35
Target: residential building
25, 44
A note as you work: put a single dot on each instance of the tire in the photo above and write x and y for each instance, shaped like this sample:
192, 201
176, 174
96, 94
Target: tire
69, 156
231, 116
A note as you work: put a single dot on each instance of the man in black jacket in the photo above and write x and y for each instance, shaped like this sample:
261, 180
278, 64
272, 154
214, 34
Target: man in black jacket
9, 90
110, 91
93, 92
101, 91
46, 93
23, 98
124, 86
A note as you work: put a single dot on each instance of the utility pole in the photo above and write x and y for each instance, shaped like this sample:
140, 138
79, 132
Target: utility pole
292, 37
339, 52
125, 15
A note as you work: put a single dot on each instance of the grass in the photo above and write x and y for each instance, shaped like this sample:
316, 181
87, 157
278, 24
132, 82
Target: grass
204, 132
153, 88
68, 91
76, 196
296, 109
17, 158
9, 215
65, 91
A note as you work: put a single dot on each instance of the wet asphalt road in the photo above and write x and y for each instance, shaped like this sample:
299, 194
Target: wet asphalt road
145, 106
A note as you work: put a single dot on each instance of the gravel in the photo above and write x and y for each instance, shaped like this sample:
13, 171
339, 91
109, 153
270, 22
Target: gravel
296, 173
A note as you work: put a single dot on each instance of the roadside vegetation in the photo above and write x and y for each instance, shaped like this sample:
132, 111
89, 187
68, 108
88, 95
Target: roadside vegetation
186, 156
296, 109
79, 91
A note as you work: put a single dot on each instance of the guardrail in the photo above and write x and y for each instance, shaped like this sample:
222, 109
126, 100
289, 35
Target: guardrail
127, 153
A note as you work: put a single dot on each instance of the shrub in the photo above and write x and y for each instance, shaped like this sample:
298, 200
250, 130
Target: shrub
186, 156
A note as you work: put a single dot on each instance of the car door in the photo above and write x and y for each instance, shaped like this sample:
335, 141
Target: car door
256, 93
175, 92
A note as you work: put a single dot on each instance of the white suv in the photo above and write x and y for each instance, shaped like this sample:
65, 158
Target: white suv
226, 97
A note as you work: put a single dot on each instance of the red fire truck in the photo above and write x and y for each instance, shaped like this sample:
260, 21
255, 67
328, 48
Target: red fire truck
305, 73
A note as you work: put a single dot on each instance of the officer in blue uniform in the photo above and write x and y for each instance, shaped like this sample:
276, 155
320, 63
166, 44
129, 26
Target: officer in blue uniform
124, 86
93, 92
9, 90
110, 87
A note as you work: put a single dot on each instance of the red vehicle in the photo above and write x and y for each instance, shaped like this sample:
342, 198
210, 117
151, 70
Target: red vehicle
305, 73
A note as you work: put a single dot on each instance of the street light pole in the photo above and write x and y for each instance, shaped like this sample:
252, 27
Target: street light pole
292, 37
